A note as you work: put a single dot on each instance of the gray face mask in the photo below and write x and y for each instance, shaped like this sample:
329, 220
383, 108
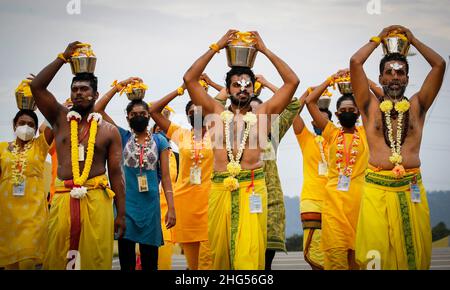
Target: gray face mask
25, 132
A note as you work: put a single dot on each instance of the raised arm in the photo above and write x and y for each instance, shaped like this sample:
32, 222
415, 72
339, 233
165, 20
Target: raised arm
298, 123
117, 180
376, 90
282, 96
191, 77
266, 84
46, 101
100, 105
360, 85
222, 97
311, 103
432, 84
157, 107
210, 82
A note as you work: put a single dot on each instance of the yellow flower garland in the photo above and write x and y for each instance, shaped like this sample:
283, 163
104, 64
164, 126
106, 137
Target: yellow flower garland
77, 179
135, 85
243, 38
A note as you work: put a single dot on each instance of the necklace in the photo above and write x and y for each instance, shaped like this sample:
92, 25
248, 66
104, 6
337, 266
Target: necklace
234, 166
143, 150
196, 147
349, 155
79, 191
396, 145
19, 162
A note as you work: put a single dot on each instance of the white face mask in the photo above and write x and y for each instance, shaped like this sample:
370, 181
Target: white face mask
25, 133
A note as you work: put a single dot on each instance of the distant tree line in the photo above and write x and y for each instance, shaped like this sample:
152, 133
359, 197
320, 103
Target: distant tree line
439, 231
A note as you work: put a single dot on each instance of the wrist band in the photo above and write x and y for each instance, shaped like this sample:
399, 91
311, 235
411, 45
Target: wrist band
376, 39
215, 47
180, 91
330, 80
310, 90
61, 56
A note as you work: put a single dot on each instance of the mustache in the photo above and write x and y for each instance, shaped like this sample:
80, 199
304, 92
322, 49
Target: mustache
395, 82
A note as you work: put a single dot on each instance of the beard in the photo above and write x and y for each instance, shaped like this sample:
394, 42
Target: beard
83, 111
394, 90
237, 101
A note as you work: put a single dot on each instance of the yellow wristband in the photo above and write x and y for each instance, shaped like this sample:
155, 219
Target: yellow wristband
215, 47
310, 90
180, 91
330, 80
61, 56
376, 39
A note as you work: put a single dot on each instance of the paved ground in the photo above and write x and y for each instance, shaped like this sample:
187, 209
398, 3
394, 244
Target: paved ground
440, 260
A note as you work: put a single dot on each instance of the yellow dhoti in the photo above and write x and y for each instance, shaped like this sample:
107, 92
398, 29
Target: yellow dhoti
237, 237
96, 219
393, 231
311, 217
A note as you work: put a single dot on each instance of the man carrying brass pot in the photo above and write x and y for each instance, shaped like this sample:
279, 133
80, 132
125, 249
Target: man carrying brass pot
81, 221
394, 224
237, 209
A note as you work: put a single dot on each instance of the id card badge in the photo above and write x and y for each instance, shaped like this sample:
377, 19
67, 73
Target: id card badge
343, 183
415, 191
80, 152
196, 175
255, 203
142, 183
19, 190
323, 168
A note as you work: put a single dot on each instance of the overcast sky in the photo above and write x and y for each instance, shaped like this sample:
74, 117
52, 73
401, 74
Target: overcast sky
159, 40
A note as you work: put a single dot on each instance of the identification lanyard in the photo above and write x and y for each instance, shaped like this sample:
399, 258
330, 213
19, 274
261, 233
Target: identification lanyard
255, 199
347, 152
142, 179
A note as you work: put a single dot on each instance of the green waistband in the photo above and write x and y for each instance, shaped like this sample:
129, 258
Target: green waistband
245, 175
390, 181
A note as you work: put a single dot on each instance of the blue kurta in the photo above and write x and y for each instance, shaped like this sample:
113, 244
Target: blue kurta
142, 209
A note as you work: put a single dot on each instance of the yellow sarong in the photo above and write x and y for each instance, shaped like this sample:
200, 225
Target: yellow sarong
97, 227
237, 237
311, 218
393, 232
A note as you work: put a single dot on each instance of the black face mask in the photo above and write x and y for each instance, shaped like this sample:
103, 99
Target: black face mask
139, 123
194, 116
347, 119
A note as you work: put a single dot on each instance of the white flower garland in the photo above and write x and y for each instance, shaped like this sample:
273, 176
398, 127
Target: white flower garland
396, 145
234, 166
